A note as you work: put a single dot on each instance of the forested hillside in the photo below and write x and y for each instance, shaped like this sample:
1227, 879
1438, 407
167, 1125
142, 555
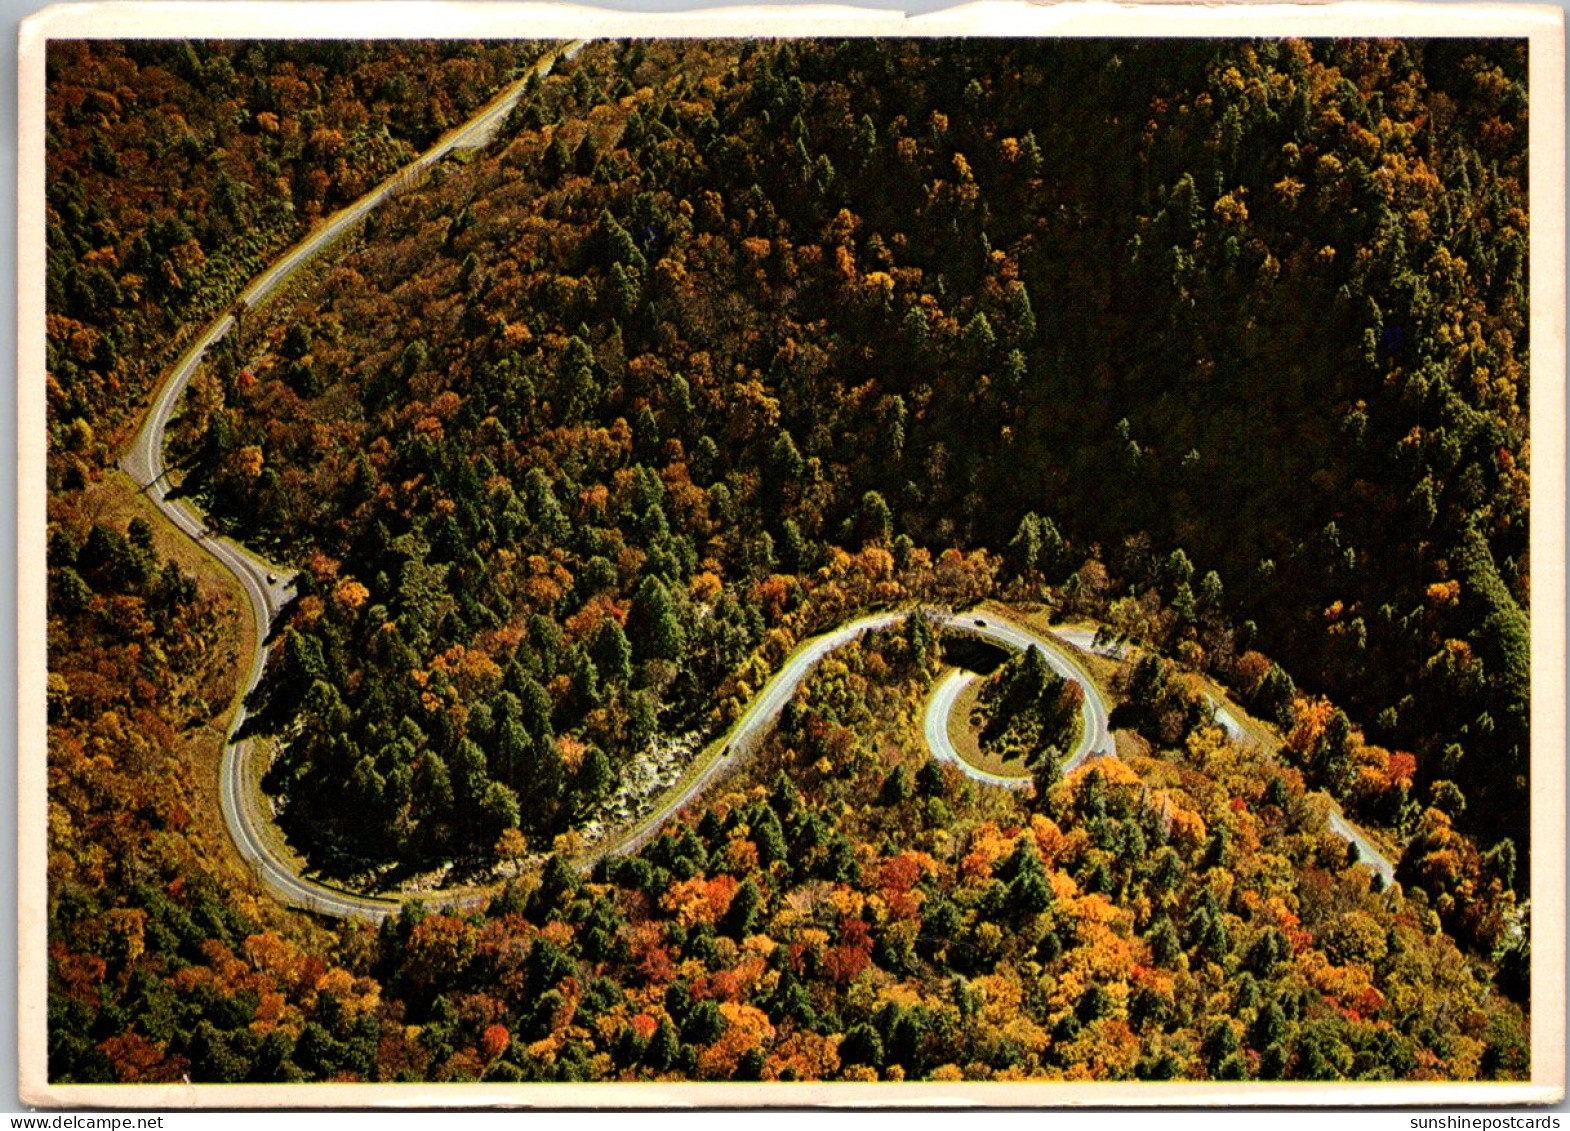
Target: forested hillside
696, 324
176, 171
1219, 345
848, 910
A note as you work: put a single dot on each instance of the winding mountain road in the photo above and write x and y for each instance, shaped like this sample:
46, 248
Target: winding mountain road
267, 589
754, 723
945, 695
760, 715
1095, 738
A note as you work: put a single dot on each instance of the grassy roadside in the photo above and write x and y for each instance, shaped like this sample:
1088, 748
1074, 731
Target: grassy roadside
966, 739
1100, 670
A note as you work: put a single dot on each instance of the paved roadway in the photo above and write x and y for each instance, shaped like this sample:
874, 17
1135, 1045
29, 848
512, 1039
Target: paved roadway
1095, 727
761, 713
944, 695
948, 688
1095, 738
754, 723
266, 587
268, 591
1366, 852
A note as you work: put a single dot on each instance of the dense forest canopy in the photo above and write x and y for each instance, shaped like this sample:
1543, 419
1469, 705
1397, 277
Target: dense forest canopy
1219, 345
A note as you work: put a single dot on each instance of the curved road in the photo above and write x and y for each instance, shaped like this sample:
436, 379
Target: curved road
759, 717
267, 591
754, 723
1084, 638
1095, 739
945, 694
265, 587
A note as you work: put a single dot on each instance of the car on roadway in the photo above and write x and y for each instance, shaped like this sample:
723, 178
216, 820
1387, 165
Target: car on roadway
272, 579
980, 623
